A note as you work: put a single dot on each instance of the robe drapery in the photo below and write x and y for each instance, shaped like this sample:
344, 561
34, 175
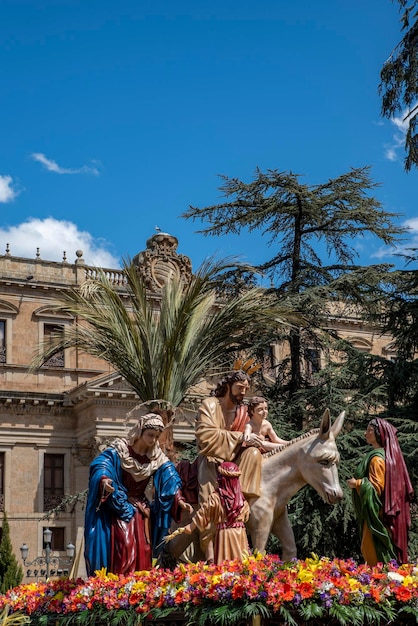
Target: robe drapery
117, 533
217, 443
398, 490
230, 541
376, 542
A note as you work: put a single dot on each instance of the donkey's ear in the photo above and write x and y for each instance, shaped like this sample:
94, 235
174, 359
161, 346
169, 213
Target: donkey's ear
325, 427
338, 424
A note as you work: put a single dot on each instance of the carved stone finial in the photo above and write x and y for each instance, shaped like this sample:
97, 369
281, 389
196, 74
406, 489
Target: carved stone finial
79, 260
160, 262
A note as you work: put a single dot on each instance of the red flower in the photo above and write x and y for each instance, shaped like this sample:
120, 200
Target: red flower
375, 594
402, 593
306, 590
238, 591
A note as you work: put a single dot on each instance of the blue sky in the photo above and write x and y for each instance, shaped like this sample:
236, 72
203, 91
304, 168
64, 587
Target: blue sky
116, 116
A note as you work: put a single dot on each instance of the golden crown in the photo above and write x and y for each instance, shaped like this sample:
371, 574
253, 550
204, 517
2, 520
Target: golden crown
249, 366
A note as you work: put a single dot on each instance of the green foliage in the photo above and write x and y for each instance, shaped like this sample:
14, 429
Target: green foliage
311, 610
225, 614
287, 616
186, 450
311, 229
399, 80
11, 573
333, 531
68, 504
163, 348
347, 616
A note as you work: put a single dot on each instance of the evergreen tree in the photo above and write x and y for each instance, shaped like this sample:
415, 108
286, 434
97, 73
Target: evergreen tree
399, 80
313, 229
399, 318
11, 573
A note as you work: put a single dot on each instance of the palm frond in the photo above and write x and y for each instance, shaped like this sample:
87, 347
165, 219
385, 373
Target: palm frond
163, 345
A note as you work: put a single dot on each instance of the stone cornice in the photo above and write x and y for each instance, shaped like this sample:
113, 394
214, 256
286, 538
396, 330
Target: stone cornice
20, 399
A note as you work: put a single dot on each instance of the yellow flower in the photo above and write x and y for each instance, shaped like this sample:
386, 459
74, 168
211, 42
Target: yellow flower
103, 574
305, 575
315, 562
354, 584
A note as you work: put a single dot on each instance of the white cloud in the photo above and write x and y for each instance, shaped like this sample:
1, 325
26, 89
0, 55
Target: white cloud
412, 226
52, 166
401, 124
390, 153
388, 254
7, 193
53, 237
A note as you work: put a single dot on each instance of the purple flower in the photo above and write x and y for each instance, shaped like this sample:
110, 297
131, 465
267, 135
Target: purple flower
364, 578
297, 599
326, 600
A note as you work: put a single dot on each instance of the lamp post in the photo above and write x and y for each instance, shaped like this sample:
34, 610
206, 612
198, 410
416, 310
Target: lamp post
46, 558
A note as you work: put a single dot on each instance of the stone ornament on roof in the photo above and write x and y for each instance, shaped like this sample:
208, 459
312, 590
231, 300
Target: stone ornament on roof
160, 262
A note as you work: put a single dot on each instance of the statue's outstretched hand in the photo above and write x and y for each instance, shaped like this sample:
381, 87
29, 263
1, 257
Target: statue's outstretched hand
107, 485
143, 509
186, 506
254, 440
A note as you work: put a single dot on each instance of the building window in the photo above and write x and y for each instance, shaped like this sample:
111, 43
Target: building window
312, 361
57, 538
52, 335
53, 480
2, 341
2, 481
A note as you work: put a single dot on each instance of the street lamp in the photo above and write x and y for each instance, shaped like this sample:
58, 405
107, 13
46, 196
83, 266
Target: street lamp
46, 558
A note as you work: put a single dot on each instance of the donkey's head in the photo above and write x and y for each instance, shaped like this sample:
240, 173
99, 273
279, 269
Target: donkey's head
319, 463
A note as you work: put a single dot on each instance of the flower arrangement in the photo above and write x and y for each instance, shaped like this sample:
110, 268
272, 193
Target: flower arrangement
314, 589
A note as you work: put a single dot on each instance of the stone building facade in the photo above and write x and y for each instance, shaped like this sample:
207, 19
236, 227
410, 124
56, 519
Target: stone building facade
55, 419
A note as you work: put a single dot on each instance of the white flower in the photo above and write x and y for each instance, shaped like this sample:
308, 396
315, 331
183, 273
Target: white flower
395, 576
326, 586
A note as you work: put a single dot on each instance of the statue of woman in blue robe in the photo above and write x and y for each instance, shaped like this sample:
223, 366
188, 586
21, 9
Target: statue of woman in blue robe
123, 531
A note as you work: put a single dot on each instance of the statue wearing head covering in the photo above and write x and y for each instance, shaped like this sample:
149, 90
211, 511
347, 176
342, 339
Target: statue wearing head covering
398, 490
122, 527
382, 493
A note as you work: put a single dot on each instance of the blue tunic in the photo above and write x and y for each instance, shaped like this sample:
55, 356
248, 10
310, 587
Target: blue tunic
99, 515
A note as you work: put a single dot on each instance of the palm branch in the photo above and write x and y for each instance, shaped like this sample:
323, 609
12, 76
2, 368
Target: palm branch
163, 345
7, 618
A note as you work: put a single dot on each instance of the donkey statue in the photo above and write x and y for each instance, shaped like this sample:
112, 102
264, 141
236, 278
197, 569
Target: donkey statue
311, 458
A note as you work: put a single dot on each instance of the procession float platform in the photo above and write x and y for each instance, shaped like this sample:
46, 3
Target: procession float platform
258, 590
